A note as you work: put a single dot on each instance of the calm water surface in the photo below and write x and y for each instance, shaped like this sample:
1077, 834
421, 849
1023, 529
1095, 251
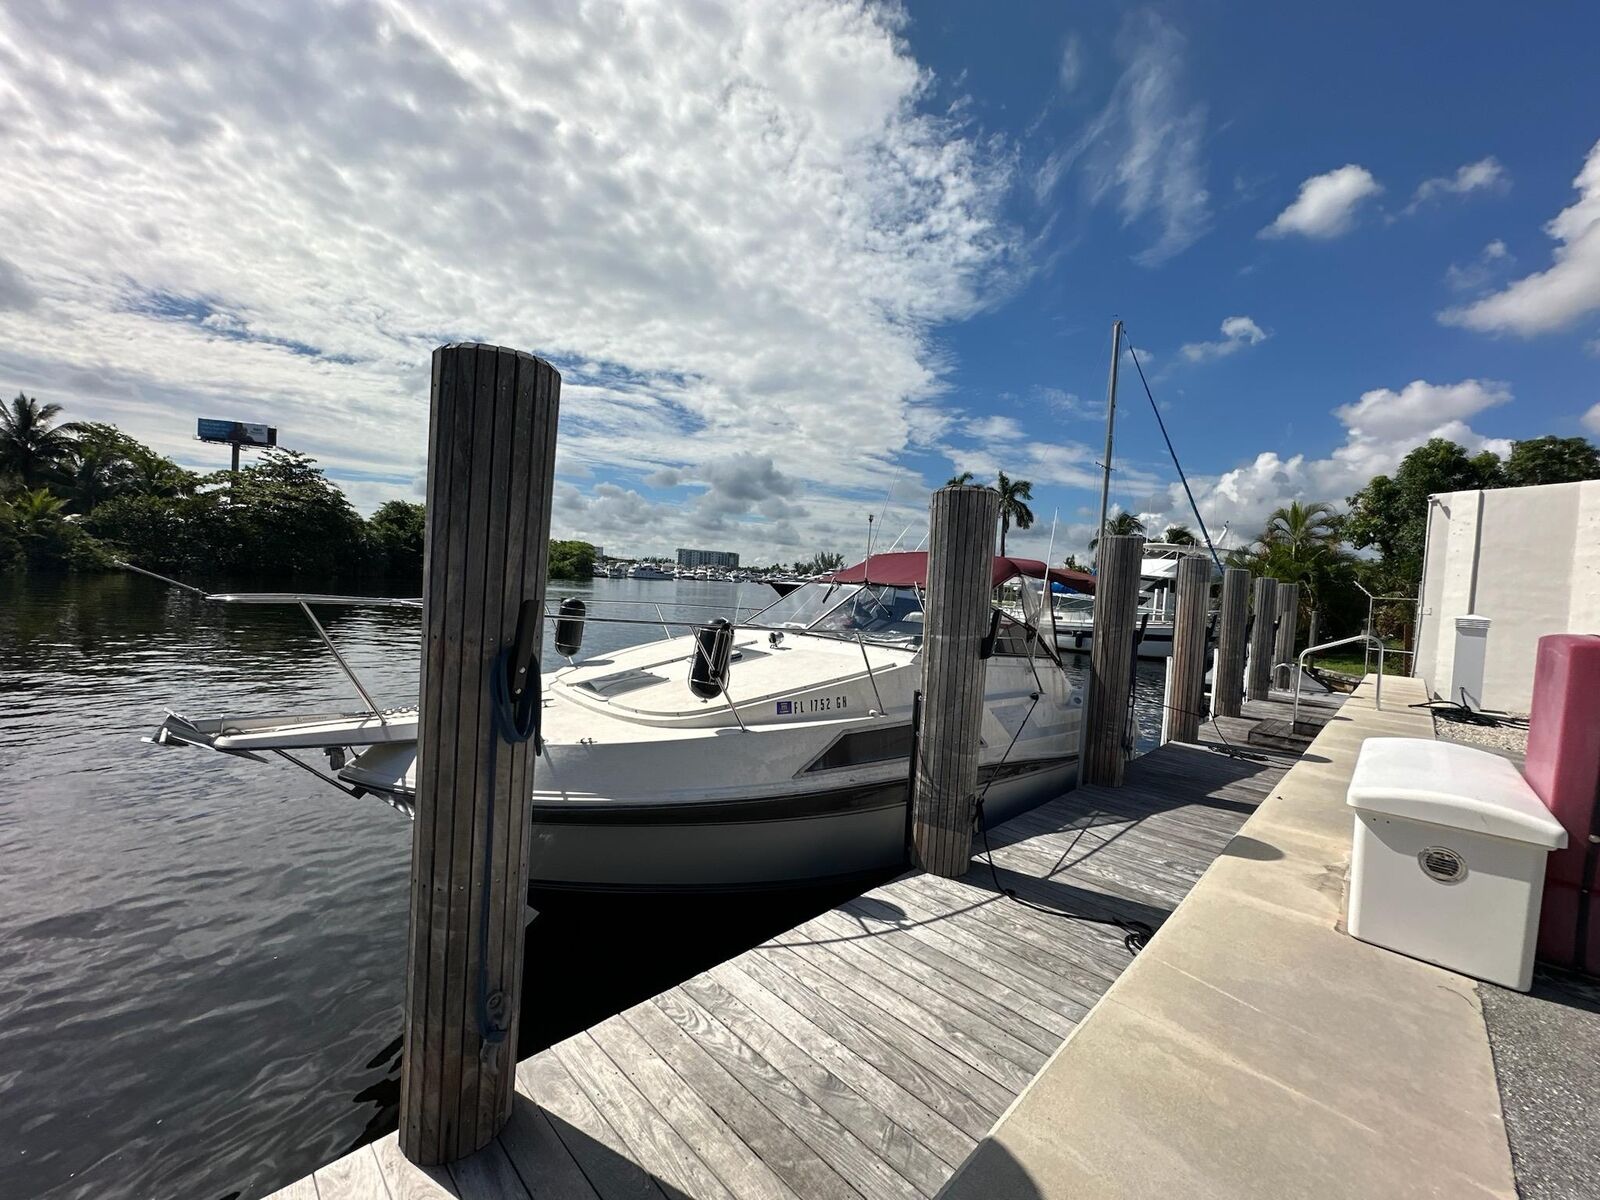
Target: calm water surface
202, 959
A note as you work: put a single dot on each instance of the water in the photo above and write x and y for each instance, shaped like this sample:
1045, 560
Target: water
202, 959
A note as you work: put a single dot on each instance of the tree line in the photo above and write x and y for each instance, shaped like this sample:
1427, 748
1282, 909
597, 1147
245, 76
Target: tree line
1377, 540
78, 496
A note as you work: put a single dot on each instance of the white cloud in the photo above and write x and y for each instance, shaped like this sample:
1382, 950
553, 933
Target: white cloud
993, 429
1492, 260
1144, 148
1484, 175
1237, 333
1381, 427
733, 233
1327, 204
1556, 298
1071, 69
1591, 420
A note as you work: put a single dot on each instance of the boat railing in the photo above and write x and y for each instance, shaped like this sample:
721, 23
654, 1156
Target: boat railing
1369, 639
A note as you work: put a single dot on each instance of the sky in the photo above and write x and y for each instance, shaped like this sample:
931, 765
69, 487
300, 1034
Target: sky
799, 261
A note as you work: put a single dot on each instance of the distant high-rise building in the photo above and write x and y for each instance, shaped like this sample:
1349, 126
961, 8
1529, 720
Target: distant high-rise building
708, 558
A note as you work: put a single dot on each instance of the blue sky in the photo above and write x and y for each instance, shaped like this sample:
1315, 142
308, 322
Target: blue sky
801, 261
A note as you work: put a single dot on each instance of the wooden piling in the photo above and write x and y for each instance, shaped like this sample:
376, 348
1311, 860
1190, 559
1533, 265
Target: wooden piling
961, 534
1288, 604
1188, 664
491, 460
1116, 607
1227, 680
1258, 679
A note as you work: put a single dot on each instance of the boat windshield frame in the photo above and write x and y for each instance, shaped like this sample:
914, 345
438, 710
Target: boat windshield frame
882, 621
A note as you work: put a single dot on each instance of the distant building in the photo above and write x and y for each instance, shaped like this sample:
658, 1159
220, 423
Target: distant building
708, 558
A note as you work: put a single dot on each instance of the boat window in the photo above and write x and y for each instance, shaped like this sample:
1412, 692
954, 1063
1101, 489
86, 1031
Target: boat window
877, 613
803, 605
1012, 638
880, 743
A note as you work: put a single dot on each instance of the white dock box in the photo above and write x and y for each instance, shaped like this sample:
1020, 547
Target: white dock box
1449, 857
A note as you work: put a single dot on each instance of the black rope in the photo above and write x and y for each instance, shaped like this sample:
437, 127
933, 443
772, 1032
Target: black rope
1136, 933
514, 722
1193, 507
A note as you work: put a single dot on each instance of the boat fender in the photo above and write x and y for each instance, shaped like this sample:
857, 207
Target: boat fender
569, 627
713, 651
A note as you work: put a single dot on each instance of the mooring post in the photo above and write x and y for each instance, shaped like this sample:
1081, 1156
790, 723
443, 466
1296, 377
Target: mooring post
1189, 649
1116, 623
1227, 680
491, 460
1258, 678
961, 533
1288, 602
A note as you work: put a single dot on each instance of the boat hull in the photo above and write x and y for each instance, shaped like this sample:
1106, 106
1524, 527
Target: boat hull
748, 845
1156, 642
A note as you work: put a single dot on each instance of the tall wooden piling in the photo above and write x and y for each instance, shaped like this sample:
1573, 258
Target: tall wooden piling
491, 460
1116, 622
1258, 678
1288, 604
961, 533
1227, 681
1188, 664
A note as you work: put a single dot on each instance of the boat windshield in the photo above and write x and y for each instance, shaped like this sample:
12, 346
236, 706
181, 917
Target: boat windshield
803, 605
875, 612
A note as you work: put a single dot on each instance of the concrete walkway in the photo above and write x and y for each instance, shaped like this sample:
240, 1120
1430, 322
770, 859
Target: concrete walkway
1255, 1050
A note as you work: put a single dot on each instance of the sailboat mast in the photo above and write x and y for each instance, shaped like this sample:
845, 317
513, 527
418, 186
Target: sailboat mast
1111, 421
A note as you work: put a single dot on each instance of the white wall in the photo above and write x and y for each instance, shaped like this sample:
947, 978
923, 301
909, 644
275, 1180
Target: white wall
1526, 558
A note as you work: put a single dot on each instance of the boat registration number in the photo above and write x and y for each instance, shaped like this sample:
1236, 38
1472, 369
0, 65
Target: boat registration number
812, 704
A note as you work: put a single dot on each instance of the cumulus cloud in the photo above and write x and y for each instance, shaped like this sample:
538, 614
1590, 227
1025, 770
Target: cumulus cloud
1237, 333
1591, 420
1381, 427
1144, 149
731, 231
1554, 299
1484, 175
993, 429
1327, 204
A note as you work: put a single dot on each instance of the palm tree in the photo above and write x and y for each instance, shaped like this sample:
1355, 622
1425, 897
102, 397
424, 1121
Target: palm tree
1179, 535
1013, 509
1119, 525
1304, 528
961, 480
30, 447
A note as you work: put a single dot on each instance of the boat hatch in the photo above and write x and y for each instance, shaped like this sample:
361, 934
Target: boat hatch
619, 683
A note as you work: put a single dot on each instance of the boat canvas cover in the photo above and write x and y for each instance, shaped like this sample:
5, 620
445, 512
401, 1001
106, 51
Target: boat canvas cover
909, 568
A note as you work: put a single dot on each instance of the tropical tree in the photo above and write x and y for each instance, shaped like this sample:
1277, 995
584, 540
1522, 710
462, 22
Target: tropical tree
1304, 528
1304, 544
398, 531
1551, 460
1014, 510
961, 480
1179, 535
106, 463
32, 447
1391, 512
35, 532
1120, 524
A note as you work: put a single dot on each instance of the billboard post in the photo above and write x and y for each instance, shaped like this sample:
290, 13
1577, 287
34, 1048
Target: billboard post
236, 434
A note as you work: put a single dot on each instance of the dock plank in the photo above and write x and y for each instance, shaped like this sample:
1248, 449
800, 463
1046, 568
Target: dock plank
862, 1054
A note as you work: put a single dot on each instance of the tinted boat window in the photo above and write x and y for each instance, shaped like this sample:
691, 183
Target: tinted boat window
862, 746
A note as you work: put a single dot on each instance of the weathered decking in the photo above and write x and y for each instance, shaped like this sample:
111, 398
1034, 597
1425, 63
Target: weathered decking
864, 1053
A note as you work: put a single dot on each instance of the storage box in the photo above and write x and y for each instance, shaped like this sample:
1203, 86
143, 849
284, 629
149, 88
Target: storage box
1449, 857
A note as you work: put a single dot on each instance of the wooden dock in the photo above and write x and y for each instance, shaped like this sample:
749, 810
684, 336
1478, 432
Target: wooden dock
865, 1052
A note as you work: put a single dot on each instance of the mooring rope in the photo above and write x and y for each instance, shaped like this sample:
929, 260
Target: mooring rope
515, 723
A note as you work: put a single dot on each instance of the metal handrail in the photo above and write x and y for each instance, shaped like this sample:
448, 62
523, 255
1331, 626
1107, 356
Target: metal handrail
1300, 664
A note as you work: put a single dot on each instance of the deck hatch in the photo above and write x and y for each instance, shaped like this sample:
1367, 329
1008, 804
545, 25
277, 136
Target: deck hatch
620, 682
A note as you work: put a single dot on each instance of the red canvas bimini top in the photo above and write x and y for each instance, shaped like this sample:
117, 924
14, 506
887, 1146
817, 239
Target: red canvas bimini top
909, 568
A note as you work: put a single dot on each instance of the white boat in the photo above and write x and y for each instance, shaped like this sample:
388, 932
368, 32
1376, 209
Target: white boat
792, 771
1073, 614
648, 571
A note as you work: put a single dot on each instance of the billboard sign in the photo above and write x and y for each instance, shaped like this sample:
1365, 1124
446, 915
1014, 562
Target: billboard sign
237, 433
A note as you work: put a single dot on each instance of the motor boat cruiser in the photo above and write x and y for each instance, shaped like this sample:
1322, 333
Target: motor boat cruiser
785, 763
1073, 611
